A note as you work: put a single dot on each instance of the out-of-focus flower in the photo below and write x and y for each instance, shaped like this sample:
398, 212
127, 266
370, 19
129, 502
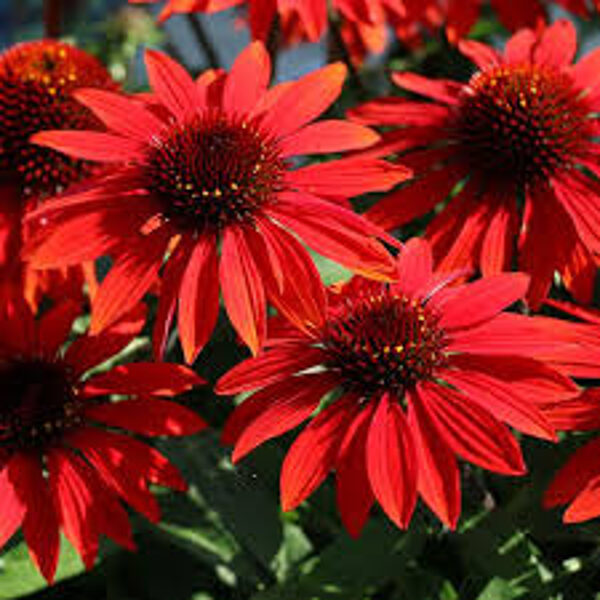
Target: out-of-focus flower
208, 166
68, 454
515, 149
37, 80
404, 377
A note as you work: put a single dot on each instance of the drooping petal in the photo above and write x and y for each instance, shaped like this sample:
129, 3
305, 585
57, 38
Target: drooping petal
313, 454
12, 505
143, 379
585, 504
354, 496
391, 462
471, 431
147, 417
242, 288
199, 298
438, 475
445, 91
275, 410
128, 280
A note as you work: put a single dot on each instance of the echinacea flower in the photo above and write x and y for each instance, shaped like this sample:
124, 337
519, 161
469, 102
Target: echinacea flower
68, 456
515, 150
204, 175
403, 377
36, 83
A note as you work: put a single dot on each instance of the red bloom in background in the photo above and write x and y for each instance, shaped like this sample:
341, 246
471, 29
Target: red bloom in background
36, 84
67, 456
413, 373
519, 138
208, 167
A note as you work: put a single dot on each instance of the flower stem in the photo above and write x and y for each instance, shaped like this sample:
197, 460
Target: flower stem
203, 41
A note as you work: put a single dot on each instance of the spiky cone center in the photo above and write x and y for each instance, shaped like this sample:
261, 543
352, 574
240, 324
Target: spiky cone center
213, 171
37, 80
384, 342
39, 403
521, 124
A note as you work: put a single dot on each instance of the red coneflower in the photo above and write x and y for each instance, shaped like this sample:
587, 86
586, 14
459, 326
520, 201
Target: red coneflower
413, 373
519, 138
66, 456
213, 171
37, 80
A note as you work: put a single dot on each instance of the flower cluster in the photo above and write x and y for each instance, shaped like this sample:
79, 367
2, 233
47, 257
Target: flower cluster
218, 192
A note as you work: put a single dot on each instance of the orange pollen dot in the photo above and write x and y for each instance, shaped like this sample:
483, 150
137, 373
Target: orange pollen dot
213, 171
37, 80
521, 123
384, 342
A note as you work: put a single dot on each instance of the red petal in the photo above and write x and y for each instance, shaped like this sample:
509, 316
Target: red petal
581, 468
121, 114
199, 298
91, 145
296, 291
127, 281
289, 403
318, 91
471, 431
248, 80
439, 478
391, 462
54, 327
398, 111
415, 267
445, 91
502, 401
74, 503
348, 177
242, 288
116, 470
484, 56
12, 506
557, 46
585, 505
172, 84
89, 351
577, 414
169, 294
269, 367
327, 136
519, 47
313, 455
480, 301
336, 233
353, 490
497, 247
144, 379
40, 525
148, 417
586, 73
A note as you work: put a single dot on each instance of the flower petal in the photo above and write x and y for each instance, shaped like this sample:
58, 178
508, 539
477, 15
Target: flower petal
471, 431
199, 298
242, 288
445, 91
439, 478
12, 505
391, 462
313, 455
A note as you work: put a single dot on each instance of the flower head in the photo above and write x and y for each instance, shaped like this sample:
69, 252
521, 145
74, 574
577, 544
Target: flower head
37, 80
403, 377
519, 138
207, 166
63, 443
